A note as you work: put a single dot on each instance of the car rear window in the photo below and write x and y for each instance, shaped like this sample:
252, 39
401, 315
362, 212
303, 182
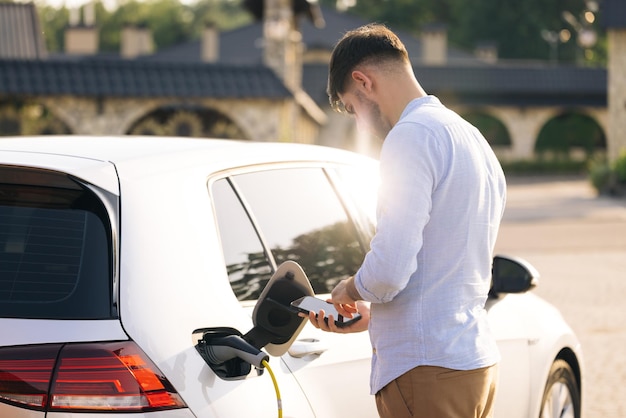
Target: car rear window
55, 248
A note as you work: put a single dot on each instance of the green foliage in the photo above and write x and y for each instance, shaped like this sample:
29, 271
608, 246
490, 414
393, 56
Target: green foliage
492, 128
619, 166
170, 21
329, 255
406, 14
515, 26
570, 130
53, 23
541, 166
609, 178
224, 14
599, 174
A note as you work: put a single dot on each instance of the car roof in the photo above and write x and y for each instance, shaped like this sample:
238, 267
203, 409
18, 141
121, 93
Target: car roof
137, 156
117, 149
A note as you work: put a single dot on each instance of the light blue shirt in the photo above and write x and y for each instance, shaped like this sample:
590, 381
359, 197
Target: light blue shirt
428, 272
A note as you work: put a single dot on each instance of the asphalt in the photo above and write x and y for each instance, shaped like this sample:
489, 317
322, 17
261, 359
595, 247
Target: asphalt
577, 241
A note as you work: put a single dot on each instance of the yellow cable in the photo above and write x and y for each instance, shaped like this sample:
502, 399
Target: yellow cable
278, 400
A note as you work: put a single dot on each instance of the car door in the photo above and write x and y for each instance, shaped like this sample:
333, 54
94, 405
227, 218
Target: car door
269, 216
173, 289
508, 321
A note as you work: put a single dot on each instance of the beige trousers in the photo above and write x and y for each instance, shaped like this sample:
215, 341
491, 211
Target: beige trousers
437, 392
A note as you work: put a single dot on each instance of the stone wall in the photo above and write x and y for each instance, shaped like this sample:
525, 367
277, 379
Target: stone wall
522, 124
286, 121
258, 119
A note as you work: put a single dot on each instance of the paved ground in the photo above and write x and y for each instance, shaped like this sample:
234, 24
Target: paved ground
577, 241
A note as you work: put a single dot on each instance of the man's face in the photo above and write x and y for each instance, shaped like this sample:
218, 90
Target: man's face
366, 112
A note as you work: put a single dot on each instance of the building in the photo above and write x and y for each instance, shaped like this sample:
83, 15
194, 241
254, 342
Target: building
83, 92
267, 81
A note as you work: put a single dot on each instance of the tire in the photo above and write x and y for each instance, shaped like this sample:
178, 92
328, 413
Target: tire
561, 397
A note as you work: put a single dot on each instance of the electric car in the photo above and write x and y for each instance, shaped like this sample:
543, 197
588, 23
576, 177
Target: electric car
152, 277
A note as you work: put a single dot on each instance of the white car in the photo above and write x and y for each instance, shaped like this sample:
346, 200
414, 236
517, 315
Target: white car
152, 277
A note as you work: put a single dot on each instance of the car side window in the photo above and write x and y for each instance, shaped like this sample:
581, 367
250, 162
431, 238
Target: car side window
301, 218
248, 267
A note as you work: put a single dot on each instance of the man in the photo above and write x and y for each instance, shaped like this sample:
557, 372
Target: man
428, 272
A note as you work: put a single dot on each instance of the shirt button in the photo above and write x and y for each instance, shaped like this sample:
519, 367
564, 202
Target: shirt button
373, 350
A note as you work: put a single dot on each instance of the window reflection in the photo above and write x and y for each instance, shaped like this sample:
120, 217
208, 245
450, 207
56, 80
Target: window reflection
300, 218
248, 268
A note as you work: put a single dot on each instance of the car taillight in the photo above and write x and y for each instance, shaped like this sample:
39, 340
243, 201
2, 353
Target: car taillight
84, 377
25, 374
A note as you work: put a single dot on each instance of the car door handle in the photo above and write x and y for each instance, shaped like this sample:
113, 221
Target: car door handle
307, 347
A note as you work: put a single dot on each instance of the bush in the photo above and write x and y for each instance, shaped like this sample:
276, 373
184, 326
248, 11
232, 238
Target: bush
609, 178
544, 167
619, 166
600, 175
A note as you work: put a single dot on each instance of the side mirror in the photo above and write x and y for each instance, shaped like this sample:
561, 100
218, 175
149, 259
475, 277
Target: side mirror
512, 275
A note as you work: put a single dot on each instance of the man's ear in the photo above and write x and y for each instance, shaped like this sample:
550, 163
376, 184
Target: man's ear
362, 80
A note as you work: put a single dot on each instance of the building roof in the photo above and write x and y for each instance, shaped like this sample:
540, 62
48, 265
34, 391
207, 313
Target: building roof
523, 85
20, 32
520, 85
512, 85
614, 13
127, 78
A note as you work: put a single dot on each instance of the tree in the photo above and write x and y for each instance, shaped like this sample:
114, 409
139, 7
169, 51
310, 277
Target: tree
53, 22
170, 21
515, 26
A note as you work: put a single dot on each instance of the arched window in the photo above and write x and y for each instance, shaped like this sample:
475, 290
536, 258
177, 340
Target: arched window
192, 122
568, 132
492, 129
29, 118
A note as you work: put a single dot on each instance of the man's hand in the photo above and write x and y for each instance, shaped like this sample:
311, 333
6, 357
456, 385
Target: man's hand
361, 325
345, 293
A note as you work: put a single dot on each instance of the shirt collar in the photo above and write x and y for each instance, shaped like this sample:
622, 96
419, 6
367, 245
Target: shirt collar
420, 101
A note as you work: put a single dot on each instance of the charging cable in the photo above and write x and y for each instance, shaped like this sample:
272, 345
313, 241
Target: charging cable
279, 402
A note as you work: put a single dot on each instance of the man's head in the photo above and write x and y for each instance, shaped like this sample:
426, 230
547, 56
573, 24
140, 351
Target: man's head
372, 44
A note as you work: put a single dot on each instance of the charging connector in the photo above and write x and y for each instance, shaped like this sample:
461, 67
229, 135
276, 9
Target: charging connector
230, 356
220, 350
228, 353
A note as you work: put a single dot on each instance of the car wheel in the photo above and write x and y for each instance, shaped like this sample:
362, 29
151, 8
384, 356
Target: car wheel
561, 397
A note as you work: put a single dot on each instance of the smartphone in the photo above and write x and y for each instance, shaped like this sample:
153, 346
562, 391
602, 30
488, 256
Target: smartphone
308, 304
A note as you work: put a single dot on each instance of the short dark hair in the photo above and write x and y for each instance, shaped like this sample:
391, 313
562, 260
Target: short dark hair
373, 42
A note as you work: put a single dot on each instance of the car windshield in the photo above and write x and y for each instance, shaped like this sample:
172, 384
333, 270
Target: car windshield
55, 248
